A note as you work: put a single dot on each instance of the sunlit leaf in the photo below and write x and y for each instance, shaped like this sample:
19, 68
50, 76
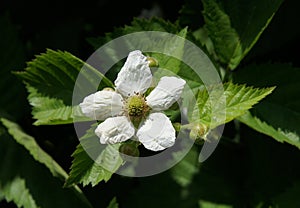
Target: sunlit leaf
54, 74
52, 111
50, 80
221, 104
93, 162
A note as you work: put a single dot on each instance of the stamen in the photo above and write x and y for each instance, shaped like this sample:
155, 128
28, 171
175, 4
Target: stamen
136, 108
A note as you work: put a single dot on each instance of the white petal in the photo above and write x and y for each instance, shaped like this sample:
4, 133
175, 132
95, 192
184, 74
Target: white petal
114, 130
102, 104
167, 92
135, 76
157, 132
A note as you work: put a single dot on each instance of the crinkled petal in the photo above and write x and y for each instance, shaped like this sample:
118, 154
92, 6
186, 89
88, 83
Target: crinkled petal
166, 93
114, 130
102, 104
156, 132
135, 76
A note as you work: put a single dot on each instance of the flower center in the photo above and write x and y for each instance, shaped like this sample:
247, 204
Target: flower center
136, 106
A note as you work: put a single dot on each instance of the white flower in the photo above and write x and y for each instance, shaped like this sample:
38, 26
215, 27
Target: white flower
127, 113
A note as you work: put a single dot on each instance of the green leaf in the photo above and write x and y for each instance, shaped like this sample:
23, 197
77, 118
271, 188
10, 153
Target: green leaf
278, 115
235, 26
220, 104
185, 170
13, 99
52, 111
50, 80
16, 191
36, 152
201, 35
262, 127
97, 165
167, 62
172, 65
113, 203
54, 74
191, 16
25, 171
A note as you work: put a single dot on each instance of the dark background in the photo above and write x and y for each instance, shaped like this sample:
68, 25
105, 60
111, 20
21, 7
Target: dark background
66, 24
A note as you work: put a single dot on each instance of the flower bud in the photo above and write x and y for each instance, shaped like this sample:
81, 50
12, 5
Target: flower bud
129, 150
199, 132
152, 62
108, 89
177, 126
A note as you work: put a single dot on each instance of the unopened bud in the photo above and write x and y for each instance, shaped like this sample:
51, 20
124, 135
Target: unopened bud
129, 150
177, 126
152, 62
199, 132
108, 89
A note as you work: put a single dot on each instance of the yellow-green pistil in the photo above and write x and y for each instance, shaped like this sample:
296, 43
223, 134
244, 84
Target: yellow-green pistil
136, 108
